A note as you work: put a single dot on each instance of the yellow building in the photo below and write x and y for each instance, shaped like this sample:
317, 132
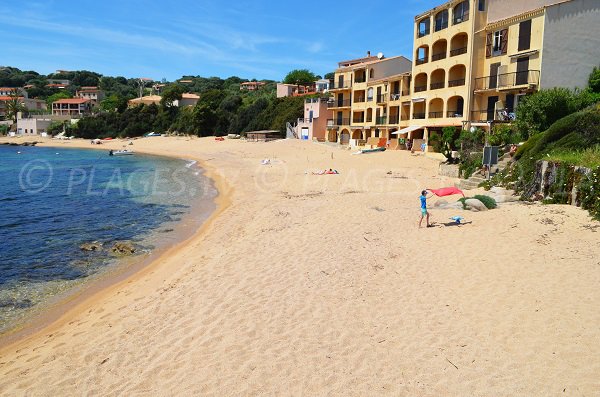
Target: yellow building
367, 96
475, 59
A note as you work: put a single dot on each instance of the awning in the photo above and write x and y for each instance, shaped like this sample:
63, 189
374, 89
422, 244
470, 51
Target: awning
407, 130
523, 54
415, 100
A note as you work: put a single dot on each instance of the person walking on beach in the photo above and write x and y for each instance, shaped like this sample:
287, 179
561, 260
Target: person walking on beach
424, 212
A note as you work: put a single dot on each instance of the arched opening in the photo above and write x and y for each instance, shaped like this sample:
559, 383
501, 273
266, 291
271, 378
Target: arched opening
421, 82
332, 136
436, 108
455, 106
370, 94
372, 73
423, 27
422, 55
439, 50
458, 44
345, 137
460, 13
438, 79
441, 20
419, 110
457, 75
357, 134
369, 115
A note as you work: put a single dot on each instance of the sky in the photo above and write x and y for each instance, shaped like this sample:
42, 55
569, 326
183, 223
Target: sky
169, 39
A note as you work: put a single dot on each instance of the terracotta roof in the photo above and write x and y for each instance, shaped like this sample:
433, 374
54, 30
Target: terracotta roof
254, 83
6, 98
74, 101
9, 88
190, 96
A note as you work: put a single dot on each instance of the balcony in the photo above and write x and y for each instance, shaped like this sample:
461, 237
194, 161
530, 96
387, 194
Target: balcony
460, 18
395, 96
332, 123
344, 85
358, 120
339, 104
435, 86
382, 98
437, 57
420, 61
507, 81
502, 115
420, 88
382, 120
423, 32
436, 115
458, 51
456, 83
359, 99
454, 114
417, 116
394, 119
358, 80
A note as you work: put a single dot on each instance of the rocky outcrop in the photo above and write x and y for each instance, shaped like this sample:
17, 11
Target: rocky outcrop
475, 205
123, 248
93, 246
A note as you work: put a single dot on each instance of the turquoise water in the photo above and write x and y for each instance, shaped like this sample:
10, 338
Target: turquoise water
53, 200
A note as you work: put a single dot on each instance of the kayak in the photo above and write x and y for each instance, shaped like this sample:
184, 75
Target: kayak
377, 149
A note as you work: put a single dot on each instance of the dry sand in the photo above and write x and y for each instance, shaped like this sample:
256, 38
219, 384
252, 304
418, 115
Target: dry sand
324, 285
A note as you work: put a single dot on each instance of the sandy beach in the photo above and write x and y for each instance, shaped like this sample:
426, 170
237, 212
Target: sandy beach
304, 284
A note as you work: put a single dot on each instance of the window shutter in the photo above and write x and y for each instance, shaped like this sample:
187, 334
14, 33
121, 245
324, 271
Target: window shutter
504, 40
488, 45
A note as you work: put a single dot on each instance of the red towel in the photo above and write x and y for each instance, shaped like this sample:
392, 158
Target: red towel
446, 191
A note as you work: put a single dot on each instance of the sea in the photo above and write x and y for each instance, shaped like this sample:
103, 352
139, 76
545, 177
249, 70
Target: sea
54, 200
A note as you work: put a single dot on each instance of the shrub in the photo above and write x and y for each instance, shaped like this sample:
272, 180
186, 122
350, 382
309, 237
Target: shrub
488, 201
589, 188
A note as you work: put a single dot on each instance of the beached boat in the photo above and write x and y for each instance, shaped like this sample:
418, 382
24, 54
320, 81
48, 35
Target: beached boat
377, 149
123, 152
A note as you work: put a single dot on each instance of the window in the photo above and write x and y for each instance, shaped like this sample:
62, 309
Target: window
496, 43
481, 6
524, 35
371, 73
441, 20
423, 27
461, 12
370, 94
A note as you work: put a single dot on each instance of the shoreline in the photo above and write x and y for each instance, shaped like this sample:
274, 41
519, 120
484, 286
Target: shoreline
69, 304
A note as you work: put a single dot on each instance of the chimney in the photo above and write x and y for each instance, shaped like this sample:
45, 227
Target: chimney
368, 54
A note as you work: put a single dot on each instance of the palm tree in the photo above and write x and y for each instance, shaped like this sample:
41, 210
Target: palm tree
13, 105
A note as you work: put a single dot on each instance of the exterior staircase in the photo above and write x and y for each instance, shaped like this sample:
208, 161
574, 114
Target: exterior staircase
475, 179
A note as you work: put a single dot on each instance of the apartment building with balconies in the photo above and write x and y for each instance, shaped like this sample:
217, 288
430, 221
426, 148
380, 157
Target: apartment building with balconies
527, 46
475, 59
361, 92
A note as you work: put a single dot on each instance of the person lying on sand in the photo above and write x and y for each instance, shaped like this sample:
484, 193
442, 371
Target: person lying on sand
326, 172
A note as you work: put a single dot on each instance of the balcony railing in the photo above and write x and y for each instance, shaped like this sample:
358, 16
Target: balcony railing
452, 114
359, 99
382, 98
502, 115
458, 51
436, 86
359, 80
436, 115
420, 61
395, 96
382, 120
338, 104
359, 120
418, 116
508, 80
340, 86
337, 122
438, 56
420, 88
456, 83
423, 32
395, 119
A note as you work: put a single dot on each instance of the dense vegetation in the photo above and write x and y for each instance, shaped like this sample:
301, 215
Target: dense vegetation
222, 108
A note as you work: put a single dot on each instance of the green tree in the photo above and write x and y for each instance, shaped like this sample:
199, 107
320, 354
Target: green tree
171, 94
594, 80
329, 76
13, 105
300, 76
114, 103
56, 97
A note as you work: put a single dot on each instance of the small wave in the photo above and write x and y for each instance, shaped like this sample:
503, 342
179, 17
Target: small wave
191, 163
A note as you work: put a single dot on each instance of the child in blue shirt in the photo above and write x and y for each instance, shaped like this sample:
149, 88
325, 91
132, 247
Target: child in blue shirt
424, 212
